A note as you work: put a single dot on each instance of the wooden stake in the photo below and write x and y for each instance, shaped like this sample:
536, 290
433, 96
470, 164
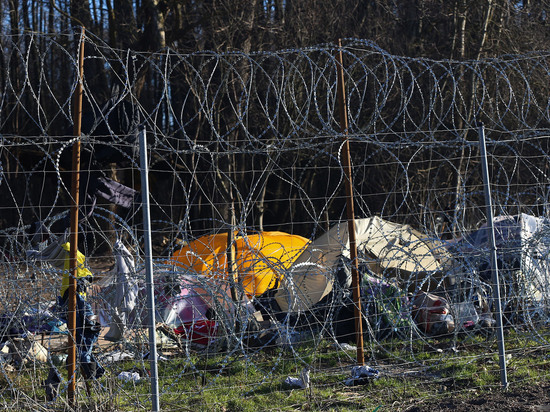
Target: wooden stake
231, 257
232, 274
356, 286
75, 187
231, 254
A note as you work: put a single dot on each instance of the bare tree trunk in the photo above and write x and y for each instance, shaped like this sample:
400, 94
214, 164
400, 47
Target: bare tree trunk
111, 19
484, 30
14, 69
25, 14
125, 25
459, 185
155, 33
80, 12
470, 91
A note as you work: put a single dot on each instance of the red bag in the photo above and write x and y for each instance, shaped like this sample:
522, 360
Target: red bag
201, 332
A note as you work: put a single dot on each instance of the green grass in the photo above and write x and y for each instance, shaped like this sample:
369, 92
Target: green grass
217, 382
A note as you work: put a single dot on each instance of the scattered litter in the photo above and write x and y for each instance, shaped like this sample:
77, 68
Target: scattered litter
465, 314
294, 382
164, 340
159, 357
25, 350
5, 351
5, 356
345, 346
360, 375
7, 368
116, 356
59, 359
432, 314
469, 324
129, 376
302, 382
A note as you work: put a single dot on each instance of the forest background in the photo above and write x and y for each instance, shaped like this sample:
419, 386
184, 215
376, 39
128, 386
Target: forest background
436, 29
459, 30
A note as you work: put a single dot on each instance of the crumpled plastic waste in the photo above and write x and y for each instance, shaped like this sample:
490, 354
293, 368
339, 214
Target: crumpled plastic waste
129, 376
360, 375
345, 346
302, 382
116, 356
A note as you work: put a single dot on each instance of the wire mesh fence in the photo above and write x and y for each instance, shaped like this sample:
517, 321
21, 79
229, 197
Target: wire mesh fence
252, 271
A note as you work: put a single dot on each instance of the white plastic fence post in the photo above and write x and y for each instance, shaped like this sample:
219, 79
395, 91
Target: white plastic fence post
155, 406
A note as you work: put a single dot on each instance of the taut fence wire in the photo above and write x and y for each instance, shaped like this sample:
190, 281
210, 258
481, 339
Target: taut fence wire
248, 148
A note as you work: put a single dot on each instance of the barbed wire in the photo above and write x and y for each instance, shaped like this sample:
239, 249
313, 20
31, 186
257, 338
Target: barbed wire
250, 144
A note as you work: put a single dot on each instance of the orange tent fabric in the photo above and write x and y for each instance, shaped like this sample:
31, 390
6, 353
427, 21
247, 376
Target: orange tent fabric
260, 259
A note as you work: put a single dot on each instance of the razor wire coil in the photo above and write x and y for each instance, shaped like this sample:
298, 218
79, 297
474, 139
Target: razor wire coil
260, 131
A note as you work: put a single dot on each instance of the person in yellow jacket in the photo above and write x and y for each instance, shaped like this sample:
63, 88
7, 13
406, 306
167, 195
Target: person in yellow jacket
87, 326
83, 274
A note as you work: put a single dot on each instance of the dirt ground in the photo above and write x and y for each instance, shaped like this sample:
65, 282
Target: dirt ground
534, 398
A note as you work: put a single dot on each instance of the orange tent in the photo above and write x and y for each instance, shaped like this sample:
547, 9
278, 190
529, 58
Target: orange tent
260, 259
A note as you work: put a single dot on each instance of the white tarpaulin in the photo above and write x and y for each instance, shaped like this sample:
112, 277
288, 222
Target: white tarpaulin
389, 248
523, 247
